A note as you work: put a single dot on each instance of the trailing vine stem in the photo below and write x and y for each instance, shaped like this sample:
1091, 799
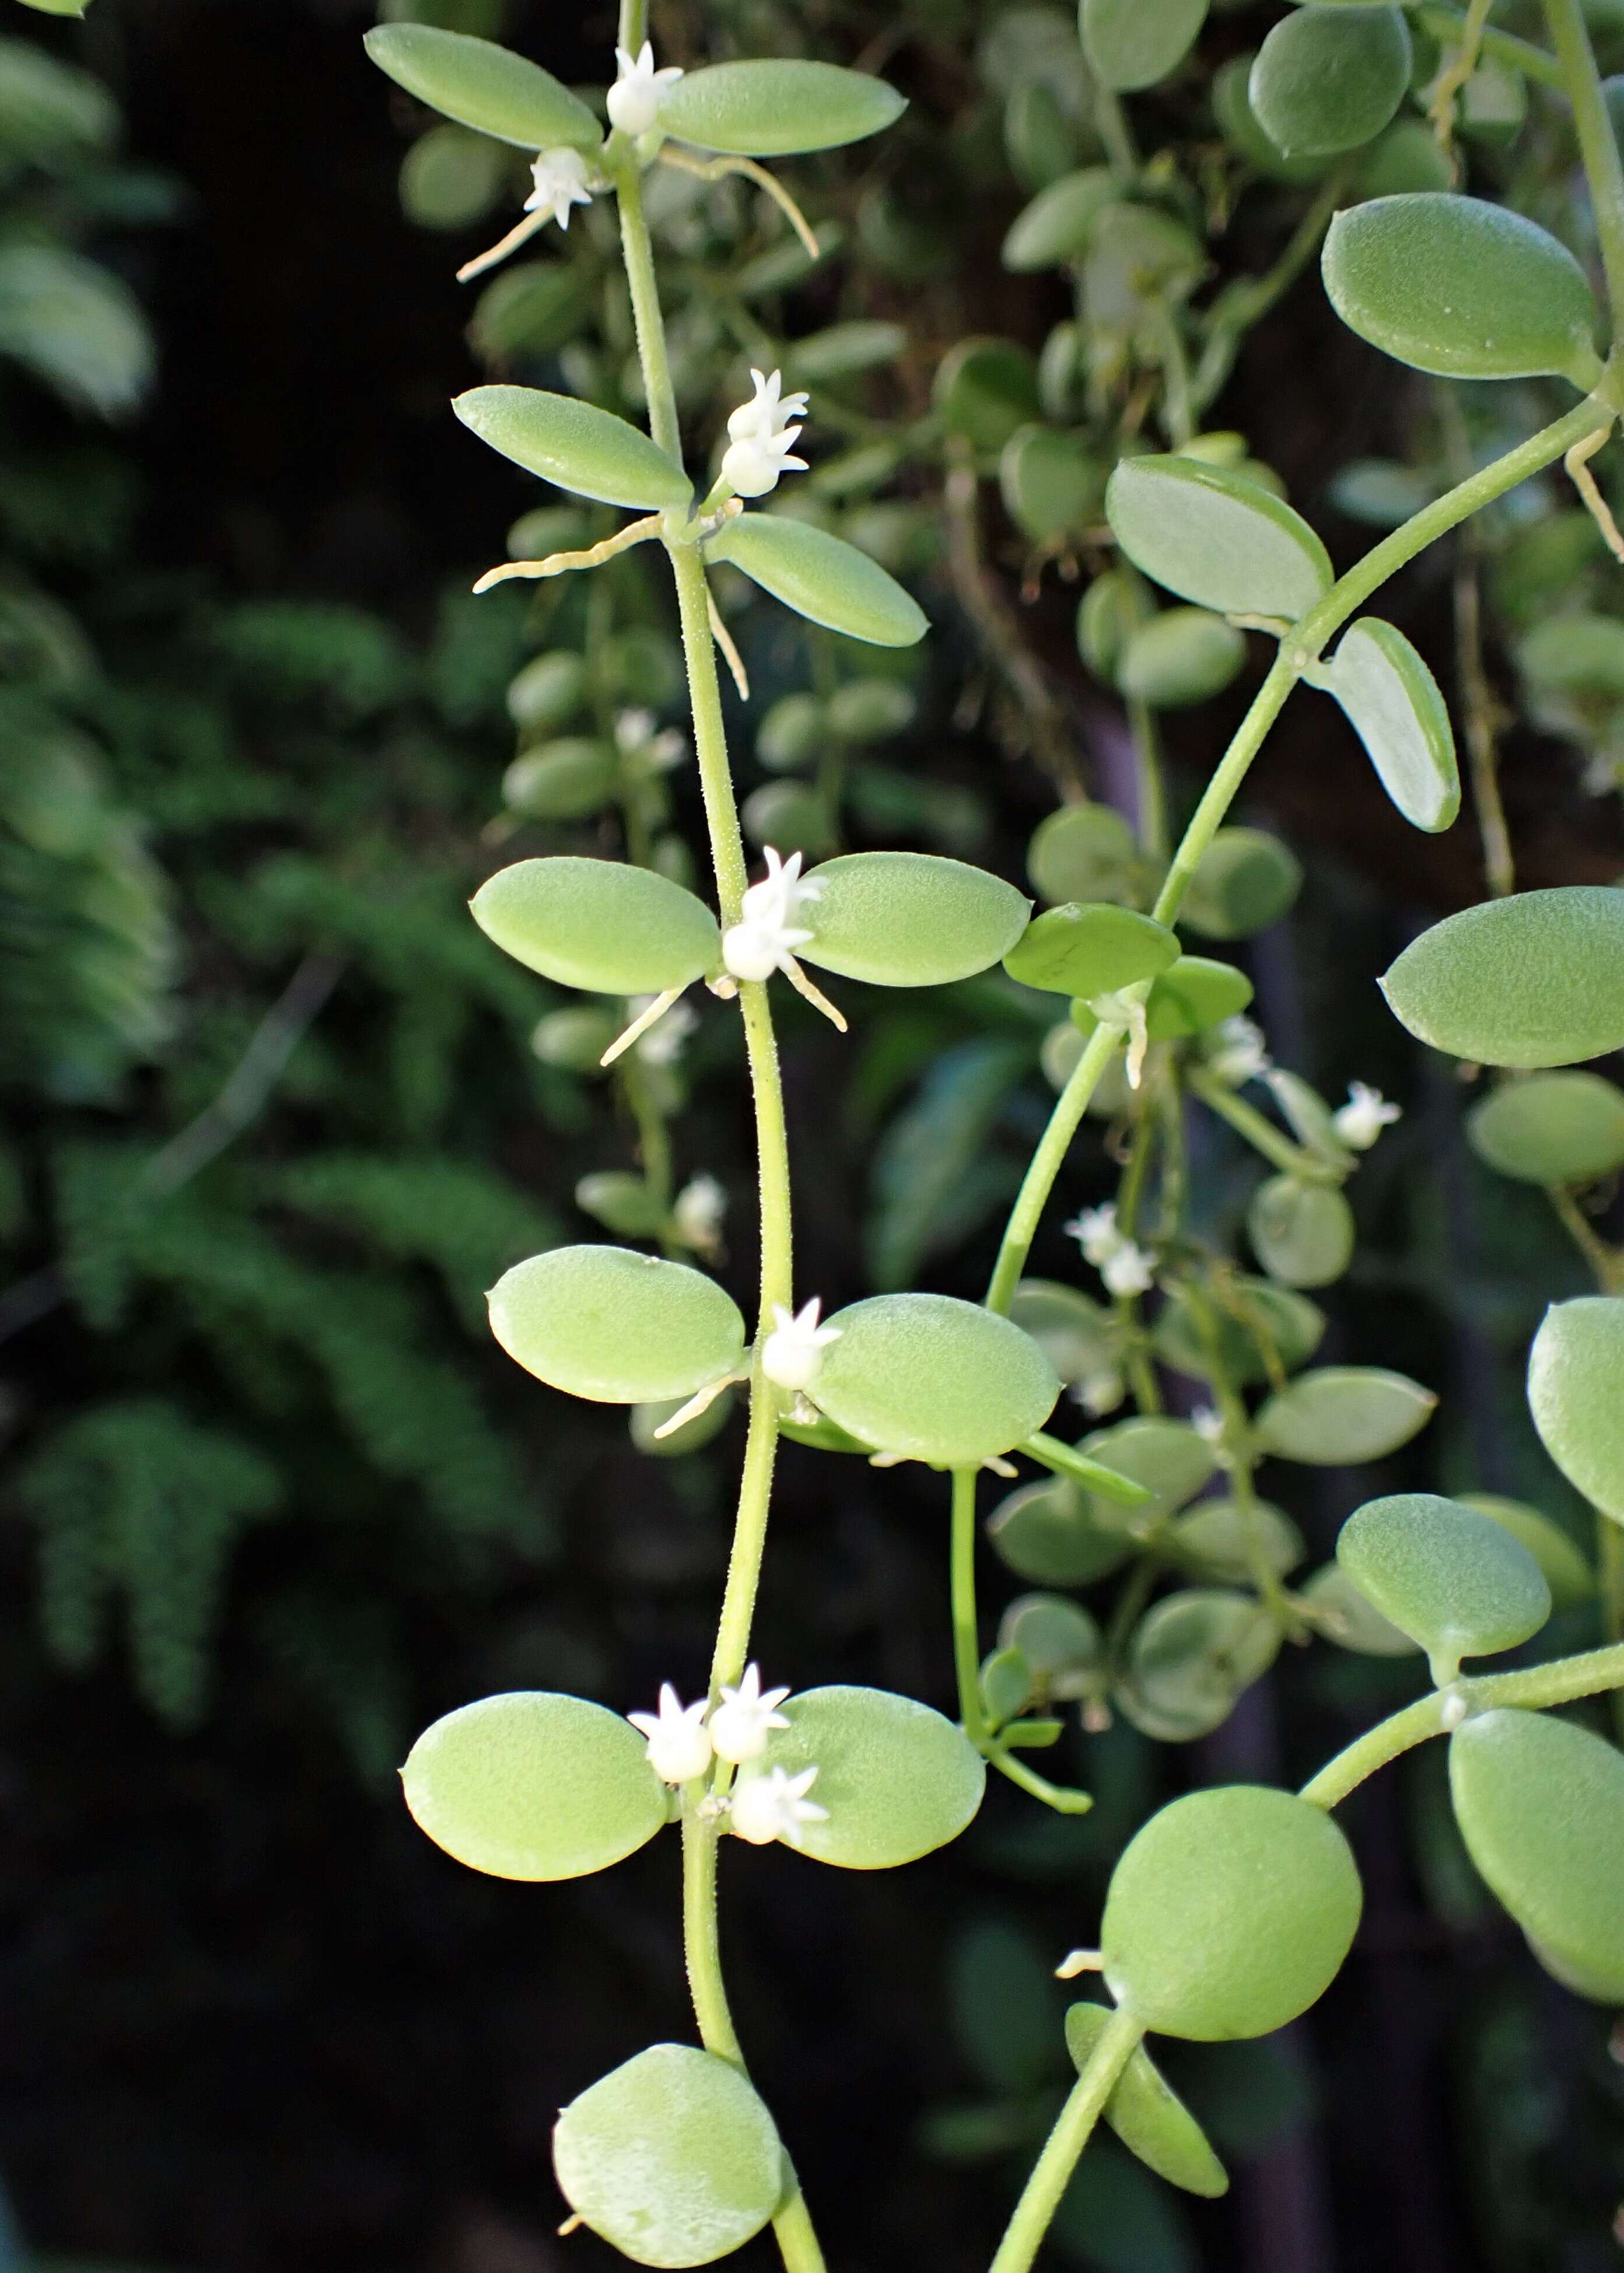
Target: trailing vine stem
792, 2224
1033, 2213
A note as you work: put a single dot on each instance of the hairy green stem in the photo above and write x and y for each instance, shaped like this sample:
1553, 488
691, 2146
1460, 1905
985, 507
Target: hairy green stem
634, 25
1535, 1686
1039, 1181
1599, 144
637, 251
1147, 779
1261, 1133
1023, 2237
967, 1636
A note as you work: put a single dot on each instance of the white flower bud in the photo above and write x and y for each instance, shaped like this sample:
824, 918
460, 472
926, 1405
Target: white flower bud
1366, 1114
741, 1724
634, 102
774, 1805
793, 1355
678, 1747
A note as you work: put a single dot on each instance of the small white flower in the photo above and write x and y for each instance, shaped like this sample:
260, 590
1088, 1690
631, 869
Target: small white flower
664, 1042
1366, 1114
679, 1746
740, 1722
698, 1211
752, 466
1102, 1391
1236, 1054
767, 933
774, 1805
769, 412
635, 738
635, 97
1130, 1269
1207, 1422
561, 178
1096, 1234
793, 1355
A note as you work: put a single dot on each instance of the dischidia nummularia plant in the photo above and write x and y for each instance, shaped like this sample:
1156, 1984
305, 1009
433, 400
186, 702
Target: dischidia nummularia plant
1231, 1909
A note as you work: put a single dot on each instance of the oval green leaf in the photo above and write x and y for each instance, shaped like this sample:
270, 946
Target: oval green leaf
1087, 852
909, 919
1245, 881
1056, 227
1537, 979
1260, 1327
1051, 485
600, 925
483, 86
1181, 657
619, 1328
1334, 1607
574, 445
1540, 1805
567, 780
1131, 46
1575, 1392
1328, 79
1086, 951
1224, 1539
672, 2159
1190, 1656
1551, 1129
1566, 1573
1059, 1641
1394, 705
1302, 1234
984, 389
1461, 288
1046, 1534
776, 107
1146, 2114
1229, 1914
1170, 1459
935, 1380
820, 577
1451, 1579
534, 1786
898, 1779
1340, 1414
1215, 537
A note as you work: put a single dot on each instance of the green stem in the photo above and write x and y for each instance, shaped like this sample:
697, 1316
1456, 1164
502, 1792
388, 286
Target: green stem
1147, 779
1069, 1106
1111, 123
1260, 1133
1266, 705
1024, 2235
634, 28
1606, 1262
653, 1136
1246, 302
1535, 1686
966, 1633
637, 251
1597, 144
1535, 63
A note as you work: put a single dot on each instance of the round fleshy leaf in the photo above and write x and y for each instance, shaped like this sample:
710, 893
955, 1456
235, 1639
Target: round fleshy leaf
550, 691
909, 919
934, 1379
1328, 79
1005, 1683
1059, 1641
1138, 256
1303, 1234
1461, 288
484, 86
1051, 485
600, 925
672, 2159
1190, 1658
1260, 1326
1221, 1538
1576, 656
1045, 1532
841, 351
1229, 1914
1087, 852
534, 1786
1566, 1573
645, 1422
1540, 1805
1169, 1458
1537, 979
1077, 1334
898, 1779
776, 107
1407, 156
1146, 2114
1086, 951
567, 780
574, 445
1056, 227
1340, 1414
1183, 656
1216, 538
621, 1328
1190, 996
820, 577
1334, 1607
1393, 702
1575, 1392
984, 389
1551, 1129
1238, 122
1244, 881
1453, 1580
1130, 46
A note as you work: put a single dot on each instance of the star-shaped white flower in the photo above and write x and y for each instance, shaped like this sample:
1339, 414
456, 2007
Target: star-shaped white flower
774, 1805
1129, 1269
793, 1355
1366, 1114
635, 736
752, 465
769, 412
741, 1722
1236, 1053
768, 933
561, 178
678, 1747
1095, 1231
698, 1211
635, 97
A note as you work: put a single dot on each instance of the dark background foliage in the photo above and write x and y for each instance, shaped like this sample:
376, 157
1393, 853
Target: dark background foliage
249, 2019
